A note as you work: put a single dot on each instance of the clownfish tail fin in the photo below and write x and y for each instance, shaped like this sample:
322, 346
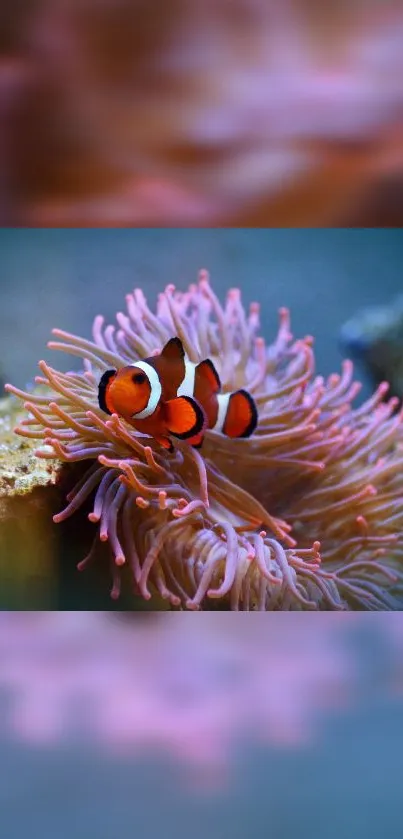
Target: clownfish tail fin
103, 387
241, 414
184, 417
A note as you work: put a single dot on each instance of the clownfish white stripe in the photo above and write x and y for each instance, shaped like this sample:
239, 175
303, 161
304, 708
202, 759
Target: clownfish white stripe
186, 388
155, 389
223, 400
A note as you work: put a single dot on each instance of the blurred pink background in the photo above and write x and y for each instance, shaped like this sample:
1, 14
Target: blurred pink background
125, 112
192, 689
219, 725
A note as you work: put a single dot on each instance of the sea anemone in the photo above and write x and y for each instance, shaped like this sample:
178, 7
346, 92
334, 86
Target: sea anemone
305, 514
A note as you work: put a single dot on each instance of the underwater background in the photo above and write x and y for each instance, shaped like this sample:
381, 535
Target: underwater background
64, 278
115, 723
224, 726
242, 113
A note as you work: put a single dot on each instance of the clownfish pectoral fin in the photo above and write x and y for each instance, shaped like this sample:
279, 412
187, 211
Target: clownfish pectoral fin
173, 350
184, 417
241, 416
196, 441
103, 387
166, 443
206, 368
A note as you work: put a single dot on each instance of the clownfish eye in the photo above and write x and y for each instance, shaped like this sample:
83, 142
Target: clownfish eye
139, 378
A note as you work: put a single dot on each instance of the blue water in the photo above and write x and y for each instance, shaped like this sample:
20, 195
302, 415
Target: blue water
65, 277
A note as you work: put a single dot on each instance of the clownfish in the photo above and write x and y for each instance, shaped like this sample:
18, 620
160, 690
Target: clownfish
167, 395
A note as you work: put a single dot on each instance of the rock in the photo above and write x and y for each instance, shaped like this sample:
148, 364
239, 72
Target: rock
38, 558
374, 338
28, 496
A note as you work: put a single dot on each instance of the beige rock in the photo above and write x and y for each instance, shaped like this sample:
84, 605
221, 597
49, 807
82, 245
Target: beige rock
37, 557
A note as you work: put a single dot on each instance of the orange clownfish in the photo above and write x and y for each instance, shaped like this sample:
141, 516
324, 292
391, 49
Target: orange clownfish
166, 395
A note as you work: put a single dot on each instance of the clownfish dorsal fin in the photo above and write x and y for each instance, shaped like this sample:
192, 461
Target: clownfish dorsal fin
173, 350
206, 368
103, 386
184, 417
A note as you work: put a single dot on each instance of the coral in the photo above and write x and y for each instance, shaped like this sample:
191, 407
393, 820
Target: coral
29, 493
215, 526
20, 470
